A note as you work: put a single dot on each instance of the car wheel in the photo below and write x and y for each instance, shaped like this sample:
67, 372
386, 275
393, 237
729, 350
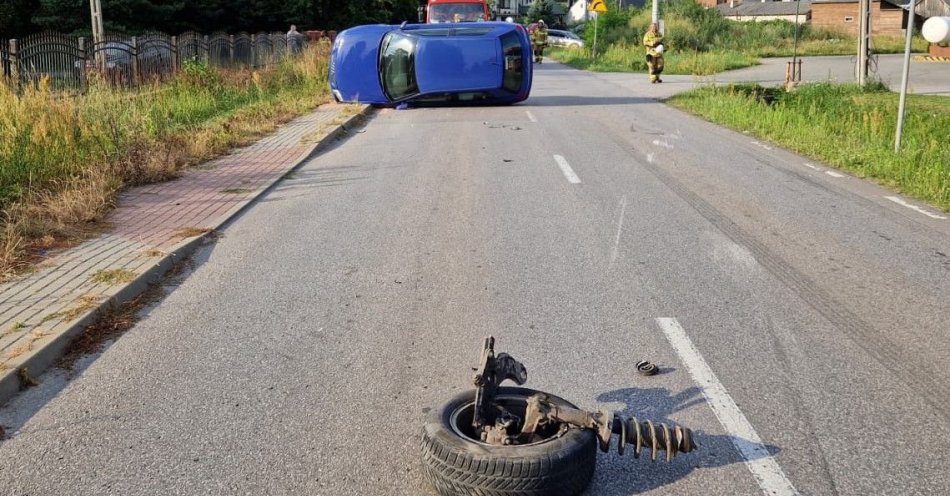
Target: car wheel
455, 463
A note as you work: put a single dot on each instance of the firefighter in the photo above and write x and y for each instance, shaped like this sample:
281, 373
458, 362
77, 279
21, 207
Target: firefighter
539, 40
653, 40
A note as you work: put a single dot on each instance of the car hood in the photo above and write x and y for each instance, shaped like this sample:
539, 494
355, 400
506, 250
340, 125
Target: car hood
466, 64
353, 73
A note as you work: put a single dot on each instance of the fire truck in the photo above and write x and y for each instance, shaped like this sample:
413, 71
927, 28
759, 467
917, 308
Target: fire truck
457, 11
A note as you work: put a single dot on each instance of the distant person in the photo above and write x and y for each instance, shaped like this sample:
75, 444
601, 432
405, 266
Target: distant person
539, 40
294, 39
653, 40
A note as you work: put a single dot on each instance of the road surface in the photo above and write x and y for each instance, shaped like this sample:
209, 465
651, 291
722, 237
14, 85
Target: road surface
799, 316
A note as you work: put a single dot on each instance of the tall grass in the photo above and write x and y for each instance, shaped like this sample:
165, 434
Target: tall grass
843, 125
701, 41
63, 157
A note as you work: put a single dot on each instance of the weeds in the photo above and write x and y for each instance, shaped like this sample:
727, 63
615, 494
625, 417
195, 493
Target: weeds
191, 232
113, 276
63, 158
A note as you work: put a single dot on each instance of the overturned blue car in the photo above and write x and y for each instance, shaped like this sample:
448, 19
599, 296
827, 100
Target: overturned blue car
479, 63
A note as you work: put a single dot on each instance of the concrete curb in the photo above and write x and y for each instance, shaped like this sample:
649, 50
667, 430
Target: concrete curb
36, 361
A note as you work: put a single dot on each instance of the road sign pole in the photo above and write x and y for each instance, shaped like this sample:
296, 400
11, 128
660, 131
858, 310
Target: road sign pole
593, 53
903, 98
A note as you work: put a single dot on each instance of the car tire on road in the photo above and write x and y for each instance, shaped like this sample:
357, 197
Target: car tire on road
456, 464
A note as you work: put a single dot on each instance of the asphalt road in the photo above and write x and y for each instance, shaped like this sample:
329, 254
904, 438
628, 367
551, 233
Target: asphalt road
300, 354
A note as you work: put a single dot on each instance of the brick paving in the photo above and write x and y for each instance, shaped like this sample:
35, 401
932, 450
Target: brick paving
39, 311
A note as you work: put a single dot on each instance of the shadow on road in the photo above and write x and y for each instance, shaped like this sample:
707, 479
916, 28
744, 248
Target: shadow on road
623, 475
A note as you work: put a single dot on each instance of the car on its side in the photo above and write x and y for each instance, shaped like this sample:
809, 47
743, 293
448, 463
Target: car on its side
558, 37
487, 63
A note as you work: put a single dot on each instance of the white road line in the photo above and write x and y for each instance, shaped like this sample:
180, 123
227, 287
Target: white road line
623, 210
530, 116
834, 174
650, 158
767, 147
567, 170
764, 468
914, 207
664, 144
813, 166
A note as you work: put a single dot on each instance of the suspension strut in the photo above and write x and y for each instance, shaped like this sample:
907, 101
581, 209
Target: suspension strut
496, 424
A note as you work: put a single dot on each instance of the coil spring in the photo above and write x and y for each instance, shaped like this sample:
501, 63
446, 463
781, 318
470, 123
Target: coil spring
655, 437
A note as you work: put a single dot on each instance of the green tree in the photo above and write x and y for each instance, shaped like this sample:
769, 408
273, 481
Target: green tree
123, 16
16, 18
542, 9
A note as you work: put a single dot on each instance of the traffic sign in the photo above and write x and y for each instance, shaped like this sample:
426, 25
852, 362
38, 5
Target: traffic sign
599, 6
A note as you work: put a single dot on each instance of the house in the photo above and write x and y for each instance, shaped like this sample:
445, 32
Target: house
887, 16
797, 12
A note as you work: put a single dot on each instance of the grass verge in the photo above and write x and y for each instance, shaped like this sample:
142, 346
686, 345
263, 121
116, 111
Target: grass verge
64, 157
846, 126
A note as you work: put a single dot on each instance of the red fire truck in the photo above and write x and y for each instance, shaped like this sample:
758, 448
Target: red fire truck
457, 11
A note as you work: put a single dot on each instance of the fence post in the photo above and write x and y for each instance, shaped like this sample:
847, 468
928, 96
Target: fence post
254, 51
82, 64
135, 61
175, 57
14, 66
207, 46
231, 49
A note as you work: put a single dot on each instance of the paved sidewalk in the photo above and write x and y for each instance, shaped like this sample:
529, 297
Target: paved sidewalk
153, 227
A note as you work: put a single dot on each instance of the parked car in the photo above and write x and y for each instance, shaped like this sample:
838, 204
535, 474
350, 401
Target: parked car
562, 38
468, 63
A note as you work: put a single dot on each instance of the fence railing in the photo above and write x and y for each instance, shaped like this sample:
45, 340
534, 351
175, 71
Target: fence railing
121, 60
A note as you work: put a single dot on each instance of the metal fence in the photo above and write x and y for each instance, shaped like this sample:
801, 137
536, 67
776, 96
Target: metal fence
67, 61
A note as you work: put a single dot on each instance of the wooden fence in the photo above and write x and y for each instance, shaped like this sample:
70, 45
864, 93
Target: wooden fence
128, 61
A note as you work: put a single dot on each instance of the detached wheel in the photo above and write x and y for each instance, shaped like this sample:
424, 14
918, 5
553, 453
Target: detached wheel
456, 462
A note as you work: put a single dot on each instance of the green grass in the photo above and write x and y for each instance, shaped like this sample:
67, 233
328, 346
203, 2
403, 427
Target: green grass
845, 126
622, 57
700, 41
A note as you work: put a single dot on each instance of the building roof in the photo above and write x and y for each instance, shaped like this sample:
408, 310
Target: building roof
753, 9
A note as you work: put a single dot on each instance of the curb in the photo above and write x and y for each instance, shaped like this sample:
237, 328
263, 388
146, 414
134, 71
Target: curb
930, 58
36, 361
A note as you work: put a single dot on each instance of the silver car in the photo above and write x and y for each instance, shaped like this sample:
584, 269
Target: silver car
562, 38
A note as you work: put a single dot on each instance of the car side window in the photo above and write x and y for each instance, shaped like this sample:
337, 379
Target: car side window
514, 62
397, 66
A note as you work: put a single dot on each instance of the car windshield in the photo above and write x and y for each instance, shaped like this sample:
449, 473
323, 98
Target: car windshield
397, 66
446, 12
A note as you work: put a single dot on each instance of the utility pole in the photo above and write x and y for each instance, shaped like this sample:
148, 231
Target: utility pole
656, 11
864, 38
95, 7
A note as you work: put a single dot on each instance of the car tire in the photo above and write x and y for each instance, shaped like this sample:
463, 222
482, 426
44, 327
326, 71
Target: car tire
456, 464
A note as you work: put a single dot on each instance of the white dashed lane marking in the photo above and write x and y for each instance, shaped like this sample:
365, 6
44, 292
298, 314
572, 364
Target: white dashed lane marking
531, 116
567, 170
914, 207
764, 468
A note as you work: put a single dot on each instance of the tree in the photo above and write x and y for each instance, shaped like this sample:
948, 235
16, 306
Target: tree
542, 9
16, 18
123, 16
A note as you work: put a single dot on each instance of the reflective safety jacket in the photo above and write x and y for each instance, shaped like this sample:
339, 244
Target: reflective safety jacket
539, 37
651, 40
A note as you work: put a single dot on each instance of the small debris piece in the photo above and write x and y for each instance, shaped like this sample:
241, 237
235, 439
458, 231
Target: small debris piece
646, 368
26, 380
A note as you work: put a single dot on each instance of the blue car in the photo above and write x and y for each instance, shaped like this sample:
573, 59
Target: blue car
480, 63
